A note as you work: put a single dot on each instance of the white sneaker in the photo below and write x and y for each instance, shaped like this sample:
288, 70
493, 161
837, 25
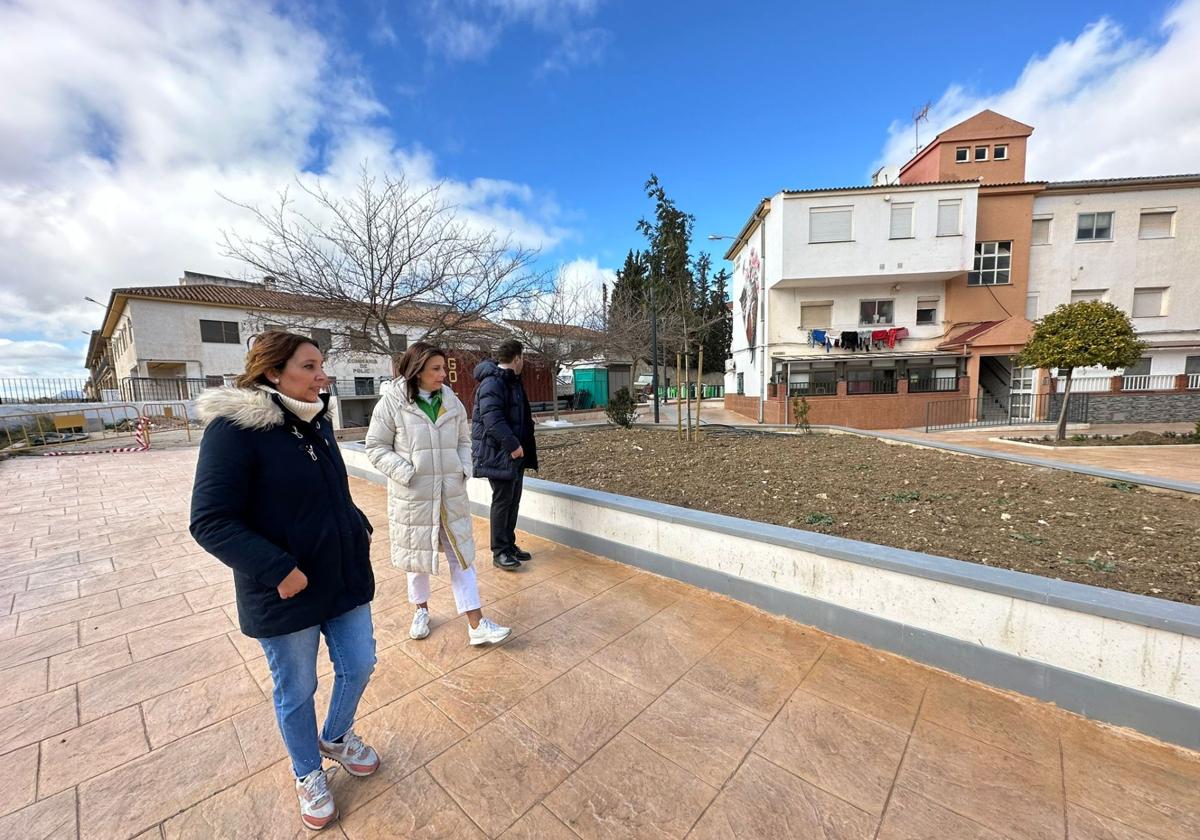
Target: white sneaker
316, 802
357, 758
488, 632
420, 625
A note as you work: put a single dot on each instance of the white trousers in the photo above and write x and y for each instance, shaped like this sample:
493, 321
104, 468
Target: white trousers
462, 582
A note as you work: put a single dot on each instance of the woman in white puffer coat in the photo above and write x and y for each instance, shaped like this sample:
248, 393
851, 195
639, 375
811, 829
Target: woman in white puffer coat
420, 440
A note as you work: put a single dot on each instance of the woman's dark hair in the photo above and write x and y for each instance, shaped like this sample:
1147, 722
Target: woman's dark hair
270, 351
412, 362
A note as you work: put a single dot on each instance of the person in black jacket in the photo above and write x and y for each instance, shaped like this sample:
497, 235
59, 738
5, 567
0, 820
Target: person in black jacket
272, 502
503, 446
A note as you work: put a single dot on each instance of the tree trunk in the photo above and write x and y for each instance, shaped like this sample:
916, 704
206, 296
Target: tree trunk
554, 389
1061, 432
687, 375
699, 389
678, 396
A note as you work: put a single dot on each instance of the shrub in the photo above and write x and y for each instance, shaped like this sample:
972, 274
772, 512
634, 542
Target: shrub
800, 412
621, 408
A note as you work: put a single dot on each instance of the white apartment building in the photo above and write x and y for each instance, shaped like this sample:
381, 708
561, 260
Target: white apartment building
1134, 242
170, 342
835, 262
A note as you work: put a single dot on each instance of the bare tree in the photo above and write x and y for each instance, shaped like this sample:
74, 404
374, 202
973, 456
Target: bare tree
388, 256
562, 325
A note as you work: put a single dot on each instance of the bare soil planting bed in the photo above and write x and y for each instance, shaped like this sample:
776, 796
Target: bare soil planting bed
1031, 519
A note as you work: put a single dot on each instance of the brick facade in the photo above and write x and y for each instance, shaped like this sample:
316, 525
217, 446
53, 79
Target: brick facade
863, 411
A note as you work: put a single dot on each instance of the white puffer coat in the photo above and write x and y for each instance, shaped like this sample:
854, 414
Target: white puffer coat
427, 465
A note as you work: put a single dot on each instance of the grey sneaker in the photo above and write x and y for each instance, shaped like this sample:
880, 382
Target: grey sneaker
357, 758
488, 632
316, 802
420, 624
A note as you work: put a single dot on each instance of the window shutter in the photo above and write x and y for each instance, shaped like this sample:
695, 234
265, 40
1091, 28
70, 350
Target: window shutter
902, 218
829, 224
323, 337
817, 316
1041, 231
1147, 303
397, 342
1155, 225
948, 217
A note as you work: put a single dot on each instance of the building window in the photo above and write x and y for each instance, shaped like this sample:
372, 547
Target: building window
1000, 152
364, 386
397, 342
1087, 294
1149, 303
1031, 307
360, 341
324, 339
927, 311
876, 312
1142, 368
902, 221
214, 381
981, 153
1156, 224
741, 384
1191, 366
219, 332
1041, 232
962, 154
949, 217
829, 224
1093, 226
992, 264
816, 316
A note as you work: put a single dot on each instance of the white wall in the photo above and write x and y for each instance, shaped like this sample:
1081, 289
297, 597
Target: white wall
1125, 263
786, 334
170, 332
924, 254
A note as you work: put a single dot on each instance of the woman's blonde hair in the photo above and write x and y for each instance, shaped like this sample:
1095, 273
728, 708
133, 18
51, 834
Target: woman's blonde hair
270, 351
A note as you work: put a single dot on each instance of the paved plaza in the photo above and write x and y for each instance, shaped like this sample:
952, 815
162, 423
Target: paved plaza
624, 706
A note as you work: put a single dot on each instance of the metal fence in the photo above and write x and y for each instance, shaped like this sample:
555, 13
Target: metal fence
46, 390
1015, 410
932, 384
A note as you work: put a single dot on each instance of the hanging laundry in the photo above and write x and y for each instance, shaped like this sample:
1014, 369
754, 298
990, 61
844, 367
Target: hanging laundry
901, 333
818, 337
879, 338
850, 339
864, 339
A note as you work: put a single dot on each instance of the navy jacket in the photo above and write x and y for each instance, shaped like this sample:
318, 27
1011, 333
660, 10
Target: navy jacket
271, 495
500, 422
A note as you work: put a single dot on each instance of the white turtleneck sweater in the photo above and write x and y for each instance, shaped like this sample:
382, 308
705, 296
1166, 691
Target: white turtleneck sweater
306, 411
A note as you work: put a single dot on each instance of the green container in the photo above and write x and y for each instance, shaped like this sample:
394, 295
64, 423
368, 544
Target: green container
595, 382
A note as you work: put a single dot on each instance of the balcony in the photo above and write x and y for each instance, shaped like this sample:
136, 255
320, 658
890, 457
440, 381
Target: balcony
1149, 382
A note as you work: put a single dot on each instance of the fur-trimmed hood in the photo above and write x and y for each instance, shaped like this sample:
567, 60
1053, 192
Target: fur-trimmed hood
246, 408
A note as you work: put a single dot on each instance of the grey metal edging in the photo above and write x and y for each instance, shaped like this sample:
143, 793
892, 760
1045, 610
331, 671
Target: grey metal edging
1162, 718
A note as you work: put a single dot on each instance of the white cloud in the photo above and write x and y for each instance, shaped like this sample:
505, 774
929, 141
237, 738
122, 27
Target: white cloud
469, 30
581, 48
19, 359
586, 277
125, 123
1102, 104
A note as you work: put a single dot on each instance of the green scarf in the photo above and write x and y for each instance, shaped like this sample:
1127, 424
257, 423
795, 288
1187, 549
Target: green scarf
432, 406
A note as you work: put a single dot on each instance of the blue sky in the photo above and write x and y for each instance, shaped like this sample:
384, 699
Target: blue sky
543, 117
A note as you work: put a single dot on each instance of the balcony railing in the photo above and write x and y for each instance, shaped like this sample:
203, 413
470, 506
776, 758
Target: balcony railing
932, 384
1149, 382
818, 388
1087, 384
1193, 381
139, 388
46, 390
878, 385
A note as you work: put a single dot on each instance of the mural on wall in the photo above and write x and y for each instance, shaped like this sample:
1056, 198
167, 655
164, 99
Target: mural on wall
751, 275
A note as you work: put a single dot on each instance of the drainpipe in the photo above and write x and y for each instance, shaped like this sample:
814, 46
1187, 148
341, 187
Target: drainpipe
762, 321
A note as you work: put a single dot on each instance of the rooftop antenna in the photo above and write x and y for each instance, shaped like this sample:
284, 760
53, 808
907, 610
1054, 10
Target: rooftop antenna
918, 115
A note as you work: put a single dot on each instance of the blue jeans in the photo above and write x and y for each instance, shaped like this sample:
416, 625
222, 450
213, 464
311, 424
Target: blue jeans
293, 661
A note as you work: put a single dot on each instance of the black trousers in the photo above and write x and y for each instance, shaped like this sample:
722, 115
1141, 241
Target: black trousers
506, 504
